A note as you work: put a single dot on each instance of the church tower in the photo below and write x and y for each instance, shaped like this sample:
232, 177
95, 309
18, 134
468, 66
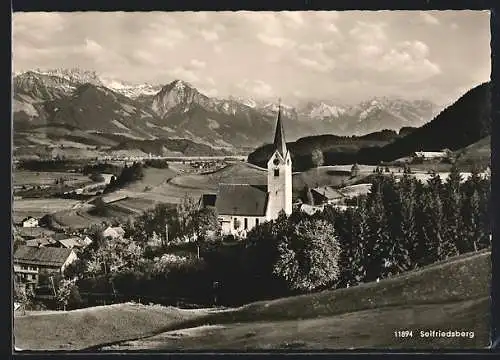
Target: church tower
279, 175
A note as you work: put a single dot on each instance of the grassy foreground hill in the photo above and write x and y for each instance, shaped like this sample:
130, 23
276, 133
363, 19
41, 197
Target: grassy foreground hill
451, 295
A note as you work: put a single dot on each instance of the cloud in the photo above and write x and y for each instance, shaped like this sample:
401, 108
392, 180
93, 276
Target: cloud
429, 19
258, 88
276, 41
327, 15
197, 64
331, 27
210, 92
370, 32
295, 17
159, 36
325, 54
409, 59
321, 65
417, 48
209, 35
370, 50
39, 26
182, 73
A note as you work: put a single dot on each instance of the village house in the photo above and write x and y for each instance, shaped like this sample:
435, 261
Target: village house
326, 194
113, 233
432, 155
30, 222
40, 242
30, 261
241, 207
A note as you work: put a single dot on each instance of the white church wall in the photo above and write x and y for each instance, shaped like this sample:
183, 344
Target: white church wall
235, 225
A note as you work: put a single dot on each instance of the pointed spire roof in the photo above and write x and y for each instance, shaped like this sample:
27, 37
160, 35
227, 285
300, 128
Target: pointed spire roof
279, 135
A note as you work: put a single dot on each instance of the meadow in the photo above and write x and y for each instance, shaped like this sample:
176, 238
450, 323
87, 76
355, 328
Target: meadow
450, 295
25, 177
173, 184
39, 207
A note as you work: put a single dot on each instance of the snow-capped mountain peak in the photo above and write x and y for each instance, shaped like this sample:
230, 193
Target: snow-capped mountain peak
131, 90
74, 75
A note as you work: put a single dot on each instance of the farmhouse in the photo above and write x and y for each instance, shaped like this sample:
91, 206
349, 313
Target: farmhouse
240, 207
40, 241
431, 155
30, 222
70, 243
326, 194
113, 232
30, 261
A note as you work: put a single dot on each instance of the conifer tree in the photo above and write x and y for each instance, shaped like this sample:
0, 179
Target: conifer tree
452, 242
379, 239
430, 225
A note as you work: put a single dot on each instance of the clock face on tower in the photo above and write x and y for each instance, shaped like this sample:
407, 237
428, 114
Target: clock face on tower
276, 161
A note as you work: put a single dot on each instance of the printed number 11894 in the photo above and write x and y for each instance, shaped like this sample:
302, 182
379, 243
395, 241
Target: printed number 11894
403, 333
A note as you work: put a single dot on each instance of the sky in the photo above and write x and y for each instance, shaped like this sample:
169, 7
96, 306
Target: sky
344, 56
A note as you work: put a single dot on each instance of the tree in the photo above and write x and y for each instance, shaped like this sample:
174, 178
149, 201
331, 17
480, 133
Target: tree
308, 254
317, 158
408, 239
202, 225
430, 223
96, 177
453, 242
63, 293
100, 207
22, 294
379, 244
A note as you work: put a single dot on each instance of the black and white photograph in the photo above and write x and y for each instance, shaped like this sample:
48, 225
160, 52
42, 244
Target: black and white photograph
251, 181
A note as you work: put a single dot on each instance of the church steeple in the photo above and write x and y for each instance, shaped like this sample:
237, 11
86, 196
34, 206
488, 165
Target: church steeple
279, 135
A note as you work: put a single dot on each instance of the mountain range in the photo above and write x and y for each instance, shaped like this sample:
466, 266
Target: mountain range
48, 100
464, 127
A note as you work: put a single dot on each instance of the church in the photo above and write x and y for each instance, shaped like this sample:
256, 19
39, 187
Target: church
241, 207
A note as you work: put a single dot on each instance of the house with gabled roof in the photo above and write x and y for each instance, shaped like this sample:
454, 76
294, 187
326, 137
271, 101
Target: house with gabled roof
113, 232
241, 207
29, 261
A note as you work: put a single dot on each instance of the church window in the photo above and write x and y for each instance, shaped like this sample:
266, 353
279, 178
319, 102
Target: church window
256, 222
236, 224
276, 172
246, 223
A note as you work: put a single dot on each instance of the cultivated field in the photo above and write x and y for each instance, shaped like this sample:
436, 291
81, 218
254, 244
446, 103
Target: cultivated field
172, 185
39, 207
451, 295
24, 177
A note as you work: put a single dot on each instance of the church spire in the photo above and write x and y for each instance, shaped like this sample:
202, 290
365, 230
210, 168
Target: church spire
279, 136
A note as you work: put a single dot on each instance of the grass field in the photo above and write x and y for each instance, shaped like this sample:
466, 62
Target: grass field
451, 295
79, 329
24, 177
39, 207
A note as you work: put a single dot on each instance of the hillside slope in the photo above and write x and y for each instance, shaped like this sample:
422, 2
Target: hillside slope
459, 125
478, 153
451, 295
